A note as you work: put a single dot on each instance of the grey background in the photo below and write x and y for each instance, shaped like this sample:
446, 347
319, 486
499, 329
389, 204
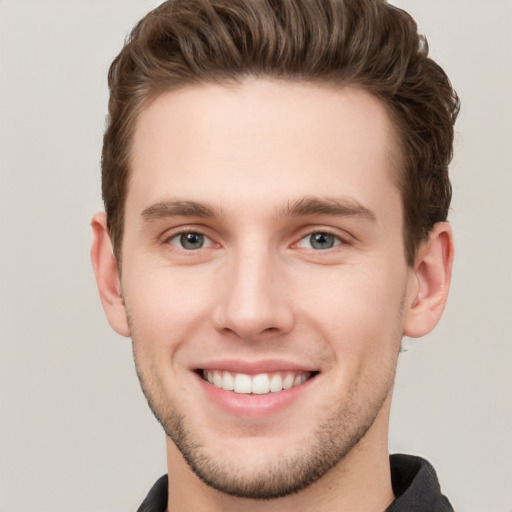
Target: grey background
75, 431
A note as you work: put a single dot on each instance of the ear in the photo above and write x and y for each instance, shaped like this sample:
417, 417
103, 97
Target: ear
107, 275
429, 282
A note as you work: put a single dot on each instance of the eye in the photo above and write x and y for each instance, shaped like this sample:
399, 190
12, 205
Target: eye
319, 241
190, 241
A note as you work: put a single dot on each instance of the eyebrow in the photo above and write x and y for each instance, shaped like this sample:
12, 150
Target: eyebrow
306, 206
343, 207
178, 208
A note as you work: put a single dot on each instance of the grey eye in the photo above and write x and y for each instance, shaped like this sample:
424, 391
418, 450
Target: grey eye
322, 241
191, 241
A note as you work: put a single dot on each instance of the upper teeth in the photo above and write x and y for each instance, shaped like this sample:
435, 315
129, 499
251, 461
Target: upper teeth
259, 384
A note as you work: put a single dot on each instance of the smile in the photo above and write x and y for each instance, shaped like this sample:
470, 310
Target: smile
260, 384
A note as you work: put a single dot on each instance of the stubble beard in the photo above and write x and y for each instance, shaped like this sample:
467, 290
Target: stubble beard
324, 448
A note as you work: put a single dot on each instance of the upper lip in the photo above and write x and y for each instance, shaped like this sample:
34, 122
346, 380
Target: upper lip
255, 367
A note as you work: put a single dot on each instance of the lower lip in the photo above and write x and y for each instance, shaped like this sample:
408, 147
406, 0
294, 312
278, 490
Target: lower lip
253, 405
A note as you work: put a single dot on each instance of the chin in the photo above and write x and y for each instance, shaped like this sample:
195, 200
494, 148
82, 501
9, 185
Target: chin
260, 467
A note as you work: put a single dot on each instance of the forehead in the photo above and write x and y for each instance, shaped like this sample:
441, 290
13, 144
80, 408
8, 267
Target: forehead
261, 140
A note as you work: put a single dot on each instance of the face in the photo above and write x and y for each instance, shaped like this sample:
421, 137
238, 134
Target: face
264, 277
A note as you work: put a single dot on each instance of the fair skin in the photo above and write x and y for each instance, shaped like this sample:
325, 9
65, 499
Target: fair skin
263, 236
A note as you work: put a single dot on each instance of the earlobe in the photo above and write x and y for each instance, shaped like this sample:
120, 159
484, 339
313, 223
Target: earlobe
429, 282
107, 275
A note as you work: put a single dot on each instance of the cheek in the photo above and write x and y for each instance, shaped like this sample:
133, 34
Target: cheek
359, 312
163, 305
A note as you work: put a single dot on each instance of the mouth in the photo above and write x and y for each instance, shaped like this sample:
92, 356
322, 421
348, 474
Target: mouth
258, 384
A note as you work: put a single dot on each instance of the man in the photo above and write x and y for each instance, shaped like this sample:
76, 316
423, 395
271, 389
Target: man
276, 190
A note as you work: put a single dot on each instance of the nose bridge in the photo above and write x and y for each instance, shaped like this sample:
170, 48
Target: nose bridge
253, 298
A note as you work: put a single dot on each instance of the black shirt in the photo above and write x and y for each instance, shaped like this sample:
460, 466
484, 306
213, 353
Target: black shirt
414, 483
415, 486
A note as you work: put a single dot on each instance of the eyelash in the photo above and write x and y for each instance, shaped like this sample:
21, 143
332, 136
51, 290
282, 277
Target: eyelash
179, 236
338, 240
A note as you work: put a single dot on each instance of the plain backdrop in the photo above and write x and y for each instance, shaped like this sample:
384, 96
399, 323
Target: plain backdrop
75, 431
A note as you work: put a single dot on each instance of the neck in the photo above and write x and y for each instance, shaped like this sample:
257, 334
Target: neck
359, 482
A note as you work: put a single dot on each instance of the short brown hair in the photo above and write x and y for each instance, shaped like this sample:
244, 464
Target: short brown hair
364, 43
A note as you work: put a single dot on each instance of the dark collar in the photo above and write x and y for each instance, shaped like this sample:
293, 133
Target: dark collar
414, 483
156, 500
415, 486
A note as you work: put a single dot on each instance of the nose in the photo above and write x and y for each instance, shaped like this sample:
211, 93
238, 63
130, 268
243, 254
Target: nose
254, 299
